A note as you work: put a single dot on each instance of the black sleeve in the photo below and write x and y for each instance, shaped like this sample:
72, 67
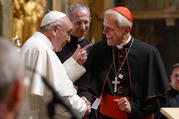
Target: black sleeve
164, 103
141, 108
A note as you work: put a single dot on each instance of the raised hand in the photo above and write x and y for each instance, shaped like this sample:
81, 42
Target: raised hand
80, 55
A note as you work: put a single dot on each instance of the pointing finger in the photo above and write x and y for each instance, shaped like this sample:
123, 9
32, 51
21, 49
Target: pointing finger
78, 48
87, 46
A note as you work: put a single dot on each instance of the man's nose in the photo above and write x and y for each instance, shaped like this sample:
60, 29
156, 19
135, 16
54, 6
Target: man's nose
83, 25
104, 31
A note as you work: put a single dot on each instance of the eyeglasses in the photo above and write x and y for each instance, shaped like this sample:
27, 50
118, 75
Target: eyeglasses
67, 32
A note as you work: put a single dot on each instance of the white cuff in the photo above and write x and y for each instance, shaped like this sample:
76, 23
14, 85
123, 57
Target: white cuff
73, 69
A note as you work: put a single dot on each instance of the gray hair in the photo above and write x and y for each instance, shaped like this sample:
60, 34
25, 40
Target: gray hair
74, 6
122, 21
10, 65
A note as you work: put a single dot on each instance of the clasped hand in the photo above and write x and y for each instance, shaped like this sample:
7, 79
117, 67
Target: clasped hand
88, 104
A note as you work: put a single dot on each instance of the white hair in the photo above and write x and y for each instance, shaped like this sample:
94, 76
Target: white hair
122, 21
47, 27
10, 65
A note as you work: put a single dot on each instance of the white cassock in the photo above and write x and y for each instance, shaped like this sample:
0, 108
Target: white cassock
39, 55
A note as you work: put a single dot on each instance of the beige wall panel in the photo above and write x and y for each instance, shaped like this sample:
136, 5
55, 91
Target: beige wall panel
60, 5
98, 8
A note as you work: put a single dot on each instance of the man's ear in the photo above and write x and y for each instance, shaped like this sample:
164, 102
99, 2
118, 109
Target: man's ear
53, 30
127, 29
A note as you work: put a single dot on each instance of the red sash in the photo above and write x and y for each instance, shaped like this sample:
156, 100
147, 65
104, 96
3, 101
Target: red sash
110, 108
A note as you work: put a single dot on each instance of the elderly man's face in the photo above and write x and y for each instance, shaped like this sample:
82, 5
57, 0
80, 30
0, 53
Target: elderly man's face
63, 34
175, 78
114, 34
81, 22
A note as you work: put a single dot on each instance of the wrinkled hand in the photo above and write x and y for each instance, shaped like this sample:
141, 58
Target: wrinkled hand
88, 105
123, 104
80, 55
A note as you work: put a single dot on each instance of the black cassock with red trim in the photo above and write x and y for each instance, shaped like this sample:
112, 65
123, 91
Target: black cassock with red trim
143, 81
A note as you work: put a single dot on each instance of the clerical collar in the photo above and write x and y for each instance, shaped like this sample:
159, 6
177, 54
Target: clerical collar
121, 46
75, 39
79, 40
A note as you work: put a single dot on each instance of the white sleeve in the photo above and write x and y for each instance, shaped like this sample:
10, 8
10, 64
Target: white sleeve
73, 69
79, 106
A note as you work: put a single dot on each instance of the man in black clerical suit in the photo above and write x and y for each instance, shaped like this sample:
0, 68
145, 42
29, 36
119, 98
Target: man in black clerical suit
79, 14
127, 75
173, 93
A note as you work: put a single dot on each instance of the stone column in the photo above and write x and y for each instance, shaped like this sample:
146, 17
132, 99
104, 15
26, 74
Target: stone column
6, 18
60, 5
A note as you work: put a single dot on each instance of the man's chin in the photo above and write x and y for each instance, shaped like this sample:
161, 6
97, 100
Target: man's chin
58, 50
82, 34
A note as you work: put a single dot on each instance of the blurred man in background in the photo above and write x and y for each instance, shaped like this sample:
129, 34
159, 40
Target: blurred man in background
12, 88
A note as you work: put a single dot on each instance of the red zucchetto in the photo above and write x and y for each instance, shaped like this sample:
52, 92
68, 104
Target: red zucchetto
125, 12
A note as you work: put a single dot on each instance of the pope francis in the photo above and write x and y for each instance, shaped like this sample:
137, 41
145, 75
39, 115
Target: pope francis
40, 55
